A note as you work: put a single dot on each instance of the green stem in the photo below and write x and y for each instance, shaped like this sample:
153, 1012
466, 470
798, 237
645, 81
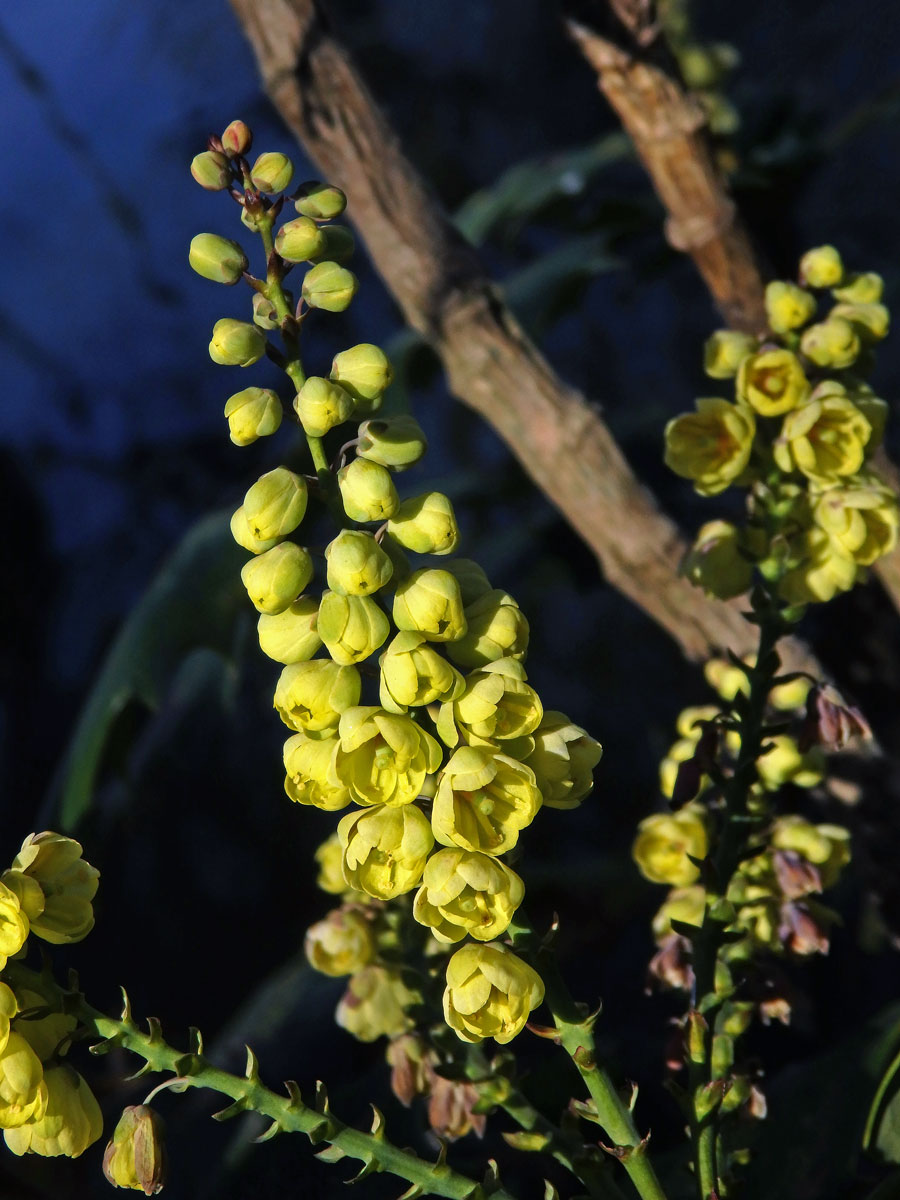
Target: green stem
248, 1094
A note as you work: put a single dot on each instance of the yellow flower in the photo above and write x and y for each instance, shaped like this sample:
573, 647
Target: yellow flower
724, 352
712, 446
276, 504
329, 286
467, 893
563, 760
364, 371
680, 751
789, 697
865, 288
236, 343
784, 763
357, 565
667, 842
23, 1093
685, 904
716, 563
490, 993
352, 627
321, 405
383, 757
871, 321
825, 846
832, 343
821, 267
341, 943
330, 857
290, 636
394, 442
473, 583
862, 517
135, 1156
822, 569
368, 491
497, 628
310, 696
824, 439
70, 1122
8, 1009
253, 413
68, 882
375, 1004
44, 1034
725, 678
309, 778
385, 849
426, 524
483, 800
240, 531
429, 602
496, 705
414, 674
276, 578
13, 922
772, 382
788, 306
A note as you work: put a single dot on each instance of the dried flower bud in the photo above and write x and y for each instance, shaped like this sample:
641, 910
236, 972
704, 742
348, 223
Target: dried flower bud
135, 1156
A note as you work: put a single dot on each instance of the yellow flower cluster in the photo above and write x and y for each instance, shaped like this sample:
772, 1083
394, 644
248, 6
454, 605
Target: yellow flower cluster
46, 1107
452, 755
799, 433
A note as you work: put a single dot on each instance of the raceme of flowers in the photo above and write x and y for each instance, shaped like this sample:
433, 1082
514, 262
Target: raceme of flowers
799, 435
402, 679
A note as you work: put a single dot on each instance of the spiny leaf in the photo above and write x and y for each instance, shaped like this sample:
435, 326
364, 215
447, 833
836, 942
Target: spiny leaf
321, 1101
195, 1041
370, 1167
378, 1123
293, 1090
413, 1192
251, 1071
273, 1130
331, 1154
232, 1110
550, 1192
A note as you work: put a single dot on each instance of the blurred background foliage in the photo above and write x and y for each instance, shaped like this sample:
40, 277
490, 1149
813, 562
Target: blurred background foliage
136, 706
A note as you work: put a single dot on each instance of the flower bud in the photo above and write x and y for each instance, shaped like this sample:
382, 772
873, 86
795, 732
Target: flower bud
871, 321
272, 172
831, 343
367, 490
14, 924
862, 517
70, 1122
299, 240
264, 312
341, 944
236, 343
385, 849
772, 382
563, 760
821, 267
496, 628
330, 858
217, 258
135, 1156
860, 289
237, 138
365, 372
716, 563
211, 170
426, 524
411, 1060
310, 696
357, 565
684, 904
395, 442
48, 1035
823, 567
724, 352
329, 286
467, 893
473, 583
352, 627
413, 674
276, 504
321, 201
784, 763
827, 847
68, 882
309, 775
276, 578
667, 842
375, 1004
788, 306
429, 602
338, 243
243, 535
825, 439
252, 413
490, 993
290, 636
483, 800
321, 405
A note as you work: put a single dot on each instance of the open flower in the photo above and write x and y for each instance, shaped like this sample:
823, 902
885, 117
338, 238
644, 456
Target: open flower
383, 757
385, 849
712, 446
772, 382
483, 800
825, 439
309, 778
467, 893
563, 760
70, 1122
666, 843
490, 993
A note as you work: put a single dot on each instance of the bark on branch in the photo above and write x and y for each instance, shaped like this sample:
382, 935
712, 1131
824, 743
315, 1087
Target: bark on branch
491, 365
622, 40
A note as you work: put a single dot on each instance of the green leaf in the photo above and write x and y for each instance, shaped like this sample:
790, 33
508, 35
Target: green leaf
194, 601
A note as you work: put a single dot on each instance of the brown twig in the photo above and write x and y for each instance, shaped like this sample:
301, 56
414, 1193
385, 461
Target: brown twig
623, 42
435, 276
